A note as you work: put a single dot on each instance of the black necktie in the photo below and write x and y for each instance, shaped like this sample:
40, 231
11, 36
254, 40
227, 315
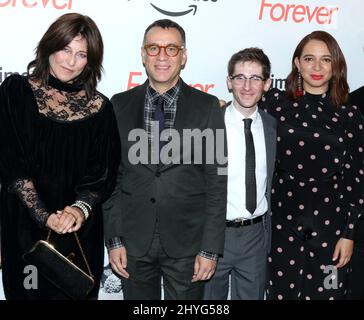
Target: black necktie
159, 116
250, 182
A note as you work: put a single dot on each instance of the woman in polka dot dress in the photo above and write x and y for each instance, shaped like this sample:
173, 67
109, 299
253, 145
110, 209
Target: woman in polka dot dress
317, 193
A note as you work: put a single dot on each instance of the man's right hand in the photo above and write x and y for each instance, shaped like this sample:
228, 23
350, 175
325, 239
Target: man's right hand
118, 261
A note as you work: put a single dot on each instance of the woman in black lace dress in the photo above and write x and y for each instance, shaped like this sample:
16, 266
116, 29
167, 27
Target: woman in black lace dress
60, 149
318, 191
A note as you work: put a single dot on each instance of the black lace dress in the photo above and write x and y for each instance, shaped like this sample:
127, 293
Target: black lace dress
56, 147
317, 194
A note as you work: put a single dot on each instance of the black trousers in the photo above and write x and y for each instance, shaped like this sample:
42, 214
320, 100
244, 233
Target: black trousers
146, 273
357, 264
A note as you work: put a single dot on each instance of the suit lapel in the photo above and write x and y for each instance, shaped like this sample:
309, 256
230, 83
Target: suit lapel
135, 114
182, 111
270, 142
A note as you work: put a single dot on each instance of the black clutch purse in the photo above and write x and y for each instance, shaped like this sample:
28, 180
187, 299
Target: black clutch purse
59, 270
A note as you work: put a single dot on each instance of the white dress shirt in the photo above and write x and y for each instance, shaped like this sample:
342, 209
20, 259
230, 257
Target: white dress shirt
236, 207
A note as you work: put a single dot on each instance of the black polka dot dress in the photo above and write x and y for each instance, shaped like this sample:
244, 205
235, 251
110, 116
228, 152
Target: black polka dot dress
317, 194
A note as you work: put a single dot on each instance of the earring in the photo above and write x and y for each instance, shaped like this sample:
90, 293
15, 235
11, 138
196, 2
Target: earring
299, 89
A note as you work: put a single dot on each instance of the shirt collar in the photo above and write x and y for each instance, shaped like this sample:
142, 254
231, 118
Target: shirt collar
238, 117
169, 95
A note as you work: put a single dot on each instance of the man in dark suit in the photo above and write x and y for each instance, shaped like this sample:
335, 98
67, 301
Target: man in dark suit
357, 261
251, 139
166, 217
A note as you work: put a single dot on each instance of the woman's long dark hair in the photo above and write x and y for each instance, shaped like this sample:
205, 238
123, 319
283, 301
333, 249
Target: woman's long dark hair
338, 85
59, 35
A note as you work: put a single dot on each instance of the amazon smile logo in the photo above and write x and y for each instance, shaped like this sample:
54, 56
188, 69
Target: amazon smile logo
176, 14
189, 9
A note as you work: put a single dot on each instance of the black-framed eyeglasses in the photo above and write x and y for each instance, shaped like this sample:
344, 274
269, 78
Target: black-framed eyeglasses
241, 78
170, 50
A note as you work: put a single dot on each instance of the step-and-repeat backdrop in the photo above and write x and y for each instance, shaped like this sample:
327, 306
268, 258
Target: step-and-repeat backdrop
215, 29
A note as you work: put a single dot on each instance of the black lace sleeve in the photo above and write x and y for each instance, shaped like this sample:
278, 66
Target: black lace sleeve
16, 136
24, 189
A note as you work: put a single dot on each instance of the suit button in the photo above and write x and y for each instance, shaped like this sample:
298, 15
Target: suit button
157, 174
152, 200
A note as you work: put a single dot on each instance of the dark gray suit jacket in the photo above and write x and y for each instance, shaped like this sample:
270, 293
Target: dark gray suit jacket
270, 136
189, 200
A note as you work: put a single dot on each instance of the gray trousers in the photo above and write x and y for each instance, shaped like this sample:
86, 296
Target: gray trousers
245, 260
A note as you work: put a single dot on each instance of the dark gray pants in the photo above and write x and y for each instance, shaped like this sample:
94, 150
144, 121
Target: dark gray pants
146, 272
245, 259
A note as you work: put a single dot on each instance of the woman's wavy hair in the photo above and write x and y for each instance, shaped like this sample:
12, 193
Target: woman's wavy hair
60, 33
338, 85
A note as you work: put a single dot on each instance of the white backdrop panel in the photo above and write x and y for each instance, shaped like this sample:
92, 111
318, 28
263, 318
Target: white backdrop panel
215, 30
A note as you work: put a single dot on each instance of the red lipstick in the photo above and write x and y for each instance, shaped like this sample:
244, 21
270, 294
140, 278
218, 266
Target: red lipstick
316, 76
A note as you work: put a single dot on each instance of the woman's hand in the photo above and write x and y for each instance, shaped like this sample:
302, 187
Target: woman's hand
343, 251
61, 222
78, 215
66, 221
222, 103
53, 222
